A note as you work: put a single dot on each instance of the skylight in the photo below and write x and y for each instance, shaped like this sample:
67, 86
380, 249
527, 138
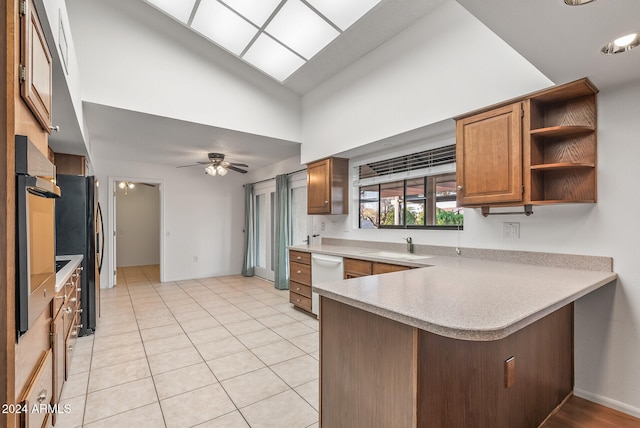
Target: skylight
275, 36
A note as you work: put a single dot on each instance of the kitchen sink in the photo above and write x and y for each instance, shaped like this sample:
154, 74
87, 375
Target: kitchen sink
397, 256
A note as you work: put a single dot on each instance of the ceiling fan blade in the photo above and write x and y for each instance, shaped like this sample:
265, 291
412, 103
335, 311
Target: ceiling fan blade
194, 164
148, 184
233, 168
238, 164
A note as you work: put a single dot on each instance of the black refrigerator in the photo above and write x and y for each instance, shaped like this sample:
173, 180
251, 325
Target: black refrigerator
79, 231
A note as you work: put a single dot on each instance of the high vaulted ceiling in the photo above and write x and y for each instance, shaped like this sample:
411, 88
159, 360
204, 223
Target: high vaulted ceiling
562, 42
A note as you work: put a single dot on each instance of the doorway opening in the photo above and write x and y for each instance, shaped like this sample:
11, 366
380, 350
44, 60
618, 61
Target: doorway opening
136, 231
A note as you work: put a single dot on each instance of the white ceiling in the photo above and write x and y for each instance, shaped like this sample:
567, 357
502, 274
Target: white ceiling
128, 135
562, 42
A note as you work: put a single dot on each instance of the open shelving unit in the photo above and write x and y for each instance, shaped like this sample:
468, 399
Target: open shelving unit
561, 144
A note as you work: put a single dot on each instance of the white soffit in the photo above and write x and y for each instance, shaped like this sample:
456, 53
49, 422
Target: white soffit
302, 27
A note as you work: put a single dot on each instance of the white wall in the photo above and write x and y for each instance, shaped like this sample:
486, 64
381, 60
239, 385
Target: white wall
135, 58
202, 217
446, 64
607, 322
138, 226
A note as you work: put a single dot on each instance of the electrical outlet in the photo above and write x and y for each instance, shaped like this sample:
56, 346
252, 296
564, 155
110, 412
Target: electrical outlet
511, 230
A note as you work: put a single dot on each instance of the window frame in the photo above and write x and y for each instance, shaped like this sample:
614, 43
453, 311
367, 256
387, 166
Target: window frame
404, 199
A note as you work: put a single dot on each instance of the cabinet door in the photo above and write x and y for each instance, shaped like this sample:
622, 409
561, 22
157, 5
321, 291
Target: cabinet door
36, 70
319, 187
489, 157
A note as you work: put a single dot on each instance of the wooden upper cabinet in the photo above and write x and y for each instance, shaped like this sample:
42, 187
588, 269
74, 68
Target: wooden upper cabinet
489, 157
538, 149
327, 186
35, 65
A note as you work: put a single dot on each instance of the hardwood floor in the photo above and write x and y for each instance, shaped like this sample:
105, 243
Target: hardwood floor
578, 412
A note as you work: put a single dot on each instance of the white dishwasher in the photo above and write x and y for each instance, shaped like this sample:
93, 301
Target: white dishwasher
324, 269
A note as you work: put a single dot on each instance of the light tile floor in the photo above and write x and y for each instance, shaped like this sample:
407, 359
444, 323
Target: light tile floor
215, 352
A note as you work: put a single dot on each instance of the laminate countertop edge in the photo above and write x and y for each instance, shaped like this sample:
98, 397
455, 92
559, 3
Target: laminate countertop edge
461, 298
63, 275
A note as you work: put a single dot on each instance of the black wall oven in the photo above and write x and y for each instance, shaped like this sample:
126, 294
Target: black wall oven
35, 233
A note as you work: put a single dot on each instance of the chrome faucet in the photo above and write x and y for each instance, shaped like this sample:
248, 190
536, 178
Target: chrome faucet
409, 244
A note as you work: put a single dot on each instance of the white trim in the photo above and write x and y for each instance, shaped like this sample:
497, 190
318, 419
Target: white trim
112, 222
609, 402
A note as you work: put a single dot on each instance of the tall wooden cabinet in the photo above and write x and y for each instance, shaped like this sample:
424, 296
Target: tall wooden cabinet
537, 150
327, 186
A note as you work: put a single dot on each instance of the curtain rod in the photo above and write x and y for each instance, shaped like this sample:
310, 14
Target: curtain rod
273, 178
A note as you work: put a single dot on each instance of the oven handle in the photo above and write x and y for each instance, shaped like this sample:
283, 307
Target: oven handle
43, 188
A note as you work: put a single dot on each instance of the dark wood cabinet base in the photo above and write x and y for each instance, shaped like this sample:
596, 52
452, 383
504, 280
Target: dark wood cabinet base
377, 372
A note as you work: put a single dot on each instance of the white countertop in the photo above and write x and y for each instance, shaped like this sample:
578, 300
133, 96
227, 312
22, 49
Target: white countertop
63, 274
459, 297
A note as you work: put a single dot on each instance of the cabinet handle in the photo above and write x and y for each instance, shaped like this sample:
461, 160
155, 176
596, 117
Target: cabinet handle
80, 268
42, 396
79, 311
74, 333
326, 202
297, 300
298, 289
67, 310
299, 272
298, 258
60, 297
459, 187
73, 300
70, 349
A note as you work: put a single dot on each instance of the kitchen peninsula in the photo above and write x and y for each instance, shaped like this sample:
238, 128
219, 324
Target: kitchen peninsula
458, 342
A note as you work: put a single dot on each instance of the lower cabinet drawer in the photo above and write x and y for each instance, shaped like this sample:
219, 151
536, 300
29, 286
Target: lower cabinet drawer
302, 289
38, 395
300, 273
300, 301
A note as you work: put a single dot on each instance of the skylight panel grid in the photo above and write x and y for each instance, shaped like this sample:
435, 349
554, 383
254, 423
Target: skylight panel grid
273, 58
223, 26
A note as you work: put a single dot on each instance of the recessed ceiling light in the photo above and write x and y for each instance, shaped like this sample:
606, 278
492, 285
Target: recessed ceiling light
621, 44
577, 2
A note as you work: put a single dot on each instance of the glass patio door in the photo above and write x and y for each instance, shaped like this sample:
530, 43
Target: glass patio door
265, 229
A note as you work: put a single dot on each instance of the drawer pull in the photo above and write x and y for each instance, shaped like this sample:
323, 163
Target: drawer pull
298, 258
70, 349
298, 289
42, 396
60, 297
299, 272
67, 310
74, 333
73, 300
79, 311
297, 300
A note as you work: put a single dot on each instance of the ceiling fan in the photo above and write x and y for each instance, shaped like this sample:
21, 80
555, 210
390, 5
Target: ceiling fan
216, 165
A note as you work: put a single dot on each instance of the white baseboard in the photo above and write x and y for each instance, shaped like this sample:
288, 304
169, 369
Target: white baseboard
605, 401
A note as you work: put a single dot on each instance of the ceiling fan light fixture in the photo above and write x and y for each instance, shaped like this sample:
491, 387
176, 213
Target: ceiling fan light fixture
221, 170
211, 170
622, 44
